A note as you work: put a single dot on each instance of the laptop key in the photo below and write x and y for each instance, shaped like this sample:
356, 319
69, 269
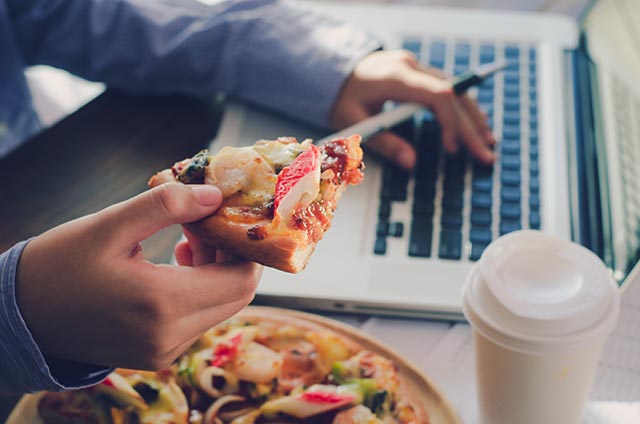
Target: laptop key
476, 251
385, 193
455, 164
460, 69
437, 51
380, 246
511, 104
406, 129
384, 211
482, 184
451, 219
511, 91
420, 237
450, 244
397, 183
436, 64
511, 132
510, 211
396, 229
509, 225
512, 52
534, 220
511, 118
533, 137
382, 228
511, 162
487, 53
480, 235
534, 201
485, 96
511, 178
453, 184
481, 217
413, 46
452, 200
534, 185
462, 51
425, 185
488, 83
422, 206
511, 147
510, 194
481, 200
511, 77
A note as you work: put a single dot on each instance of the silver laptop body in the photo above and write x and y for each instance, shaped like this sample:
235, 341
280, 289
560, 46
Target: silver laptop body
381, 255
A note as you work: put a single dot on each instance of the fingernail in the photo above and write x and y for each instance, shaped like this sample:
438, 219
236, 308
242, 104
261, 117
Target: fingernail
207, 195
406, 159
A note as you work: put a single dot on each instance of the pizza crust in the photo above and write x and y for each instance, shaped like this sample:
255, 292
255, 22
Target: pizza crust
278, 251
281, 252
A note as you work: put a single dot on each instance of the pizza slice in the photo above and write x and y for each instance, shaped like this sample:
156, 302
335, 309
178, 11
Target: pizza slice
279, 196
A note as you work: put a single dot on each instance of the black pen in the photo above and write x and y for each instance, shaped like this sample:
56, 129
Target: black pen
467, 80
388, 119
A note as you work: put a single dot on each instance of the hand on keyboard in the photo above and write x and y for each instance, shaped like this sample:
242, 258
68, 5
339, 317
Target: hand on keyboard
396, 75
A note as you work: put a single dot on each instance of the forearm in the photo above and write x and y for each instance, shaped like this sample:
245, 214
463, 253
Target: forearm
268, 52
23, 367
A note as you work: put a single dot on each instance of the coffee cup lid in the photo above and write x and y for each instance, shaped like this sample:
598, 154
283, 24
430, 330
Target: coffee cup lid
531, 287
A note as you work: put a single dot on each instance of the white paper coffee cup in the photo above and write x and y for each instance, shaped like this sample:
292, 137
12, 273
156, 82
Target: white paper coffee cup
540, 308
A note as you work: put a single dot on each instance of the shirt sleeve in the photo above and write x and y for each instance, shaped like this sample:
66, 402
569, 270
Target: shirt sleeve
23, 368
273, 53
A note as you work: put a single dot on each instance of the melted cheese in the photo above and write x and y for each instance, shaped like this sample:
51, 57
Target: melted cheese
249, 173
242, 170
281, 152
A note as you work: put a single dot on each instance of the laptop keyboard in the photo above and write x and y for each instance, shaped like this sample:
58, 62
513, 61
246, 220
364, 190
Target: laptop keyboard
627, 124
458, 206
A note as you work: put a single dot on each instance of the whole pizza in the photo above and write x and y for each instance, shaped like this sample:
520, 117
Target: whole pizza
252, 369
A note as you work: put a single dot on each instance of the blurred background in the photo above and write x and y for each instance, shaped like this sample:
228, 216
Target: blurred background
57, 93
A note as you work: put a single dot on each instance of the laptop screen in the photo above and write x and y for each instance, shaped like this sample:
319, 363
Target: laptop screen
614, 48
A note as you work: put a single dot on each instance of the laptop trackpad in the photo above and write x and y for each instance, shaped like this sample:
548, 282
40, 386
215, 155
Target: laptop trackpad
439, 282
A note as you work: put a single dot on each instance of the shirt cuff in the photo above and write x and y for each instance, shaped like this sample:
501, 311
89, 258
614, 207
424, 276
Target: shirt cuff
23, 368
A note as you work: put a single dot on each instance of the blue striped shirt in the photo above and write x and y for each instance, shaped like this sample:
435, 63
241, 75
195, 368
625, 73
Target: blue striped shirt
267, 52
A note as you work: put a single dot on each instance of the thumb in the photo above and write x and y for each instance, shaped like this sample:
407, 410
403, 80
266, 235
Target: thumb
138, 218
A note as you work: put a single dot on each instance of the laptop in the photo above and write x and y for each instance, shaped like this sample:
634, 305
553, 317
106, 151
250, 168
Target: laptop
566, 113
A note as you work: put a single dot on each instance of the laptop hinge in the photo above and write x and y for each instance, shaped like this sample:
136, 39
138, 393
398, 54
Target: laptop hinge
587, 173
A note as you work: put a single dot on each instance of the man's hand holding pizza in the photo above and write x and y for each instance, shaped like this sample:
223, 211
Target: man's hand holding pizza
87, 293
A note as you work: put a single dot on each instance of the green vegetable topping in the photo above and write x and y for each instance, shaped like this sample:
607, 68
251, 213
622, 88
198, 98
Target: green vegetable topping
377, 401
193, 172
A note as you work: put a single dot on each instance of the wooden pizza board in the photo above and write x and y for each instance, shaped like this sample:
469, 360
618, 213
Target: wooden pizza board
420, 386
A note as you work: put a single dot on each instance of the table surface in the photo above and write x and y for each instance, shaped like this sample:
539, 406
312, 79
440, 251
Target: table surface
106, 152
